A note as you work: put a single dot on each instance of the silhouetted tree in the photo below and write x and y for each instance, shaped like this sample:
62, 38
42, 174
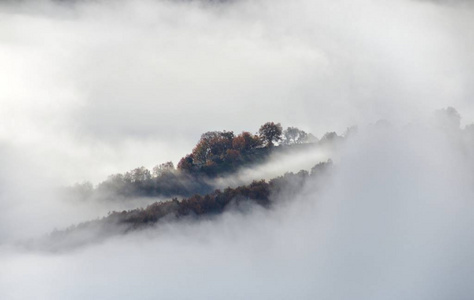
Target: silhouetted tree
270, 132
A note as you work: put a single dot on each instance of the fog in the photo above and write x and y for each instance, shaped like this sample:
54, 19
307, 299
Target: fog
92, 88
394, 221
120, 84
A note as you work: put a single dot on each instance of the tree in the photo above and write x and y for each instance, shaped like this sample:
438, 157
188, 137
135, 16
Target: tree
163, 168
311, 138
140, 174
186, 163
212, 145
293, 135
232, 155
329, 137
270, 132
245, 141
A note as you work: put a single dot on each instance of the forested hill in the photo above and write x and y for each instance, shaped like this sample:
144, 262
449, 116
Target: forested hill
217, 153
261, 193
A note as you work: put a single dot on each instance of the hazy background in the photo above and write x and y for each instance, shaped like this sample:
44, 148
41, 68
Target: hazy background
99, 87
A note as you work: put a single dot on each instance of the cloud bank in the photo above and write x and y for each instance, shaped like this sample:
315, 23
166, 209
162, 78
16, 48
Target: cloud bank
393, 221
95, 88
115, 85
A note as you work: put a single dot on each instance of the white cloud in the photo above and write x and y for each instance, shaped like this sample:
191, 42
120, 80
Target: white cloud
94, 77
95, 88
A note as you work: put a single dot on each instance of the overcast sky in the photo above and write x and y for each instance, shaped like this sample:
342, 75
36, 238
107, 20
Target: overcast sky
92, 88
100, 87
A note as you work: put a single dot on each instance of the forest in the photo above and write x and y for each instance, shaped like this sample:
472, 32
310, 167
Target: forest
197, 207
216, 154
190, 187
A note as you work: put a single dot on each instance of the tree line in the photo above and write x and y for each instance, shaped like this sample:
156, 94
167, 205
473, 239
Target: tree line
261, 193
217, 153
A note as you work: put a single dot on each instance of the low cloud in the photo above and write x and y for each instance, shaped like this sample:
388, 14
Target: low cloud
129, 83
393, 221
99, 87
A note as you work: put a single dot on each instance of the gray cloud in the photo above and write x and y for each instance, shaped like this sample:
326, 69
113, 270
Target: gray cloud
102, 77
101, 87
393, 222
